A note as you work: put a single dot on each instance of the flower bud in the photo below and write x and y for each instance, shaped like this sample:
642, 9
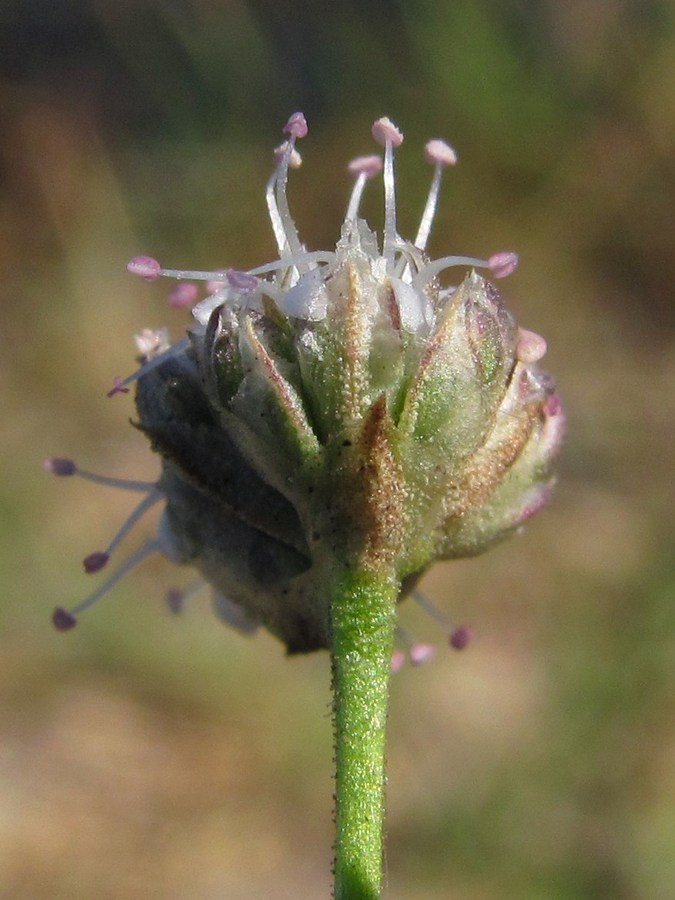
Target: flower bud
339, 408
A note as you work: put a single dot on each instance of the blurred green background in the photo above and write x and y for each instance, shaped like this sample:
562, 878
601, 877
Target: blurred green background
150, 756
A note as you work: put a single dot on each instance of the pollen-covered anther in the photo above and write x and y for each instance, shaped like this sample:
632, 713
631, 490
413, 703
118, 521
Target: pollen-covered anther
296, 125
184, 294
145, 267
95, 561
384, 131
503, 263
531, 347
460, 637
438, 153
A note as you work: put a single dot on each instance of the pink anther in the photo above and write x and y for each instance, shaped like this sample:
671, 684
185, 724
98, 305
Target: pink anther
438, 153
296, 125
145, 267
502, 264
241, 281
384, 131
184, 294
118, 387
421, 653
366, 165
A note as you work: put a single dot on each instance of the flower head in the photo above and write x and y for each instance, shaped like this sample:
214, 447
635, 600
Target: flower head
335, 402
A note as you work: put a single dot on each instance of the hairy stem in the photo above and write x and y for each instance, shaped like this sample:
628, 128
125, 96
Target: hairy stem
363, 606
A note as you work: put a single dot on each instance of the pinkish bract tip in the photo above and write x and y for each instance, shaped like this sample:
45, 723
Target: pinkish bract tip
384, 130
365, 165
95, 561
503, 263
460, 637
59, 466
63, 620
438, 153
145, 267
296, 125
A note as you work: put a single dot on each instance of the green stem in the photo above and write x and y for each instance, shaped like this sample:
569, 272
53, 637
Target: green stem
363, 606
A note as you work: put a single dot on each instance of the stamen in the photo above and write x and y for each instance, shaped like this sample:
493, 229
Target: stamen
65, 619
294, 162
387, 135
296, 127
440, 155
503, 263
417, 651
458, 636
97, 560
145, 267
364, 167
117, 388
433, 268
62, 466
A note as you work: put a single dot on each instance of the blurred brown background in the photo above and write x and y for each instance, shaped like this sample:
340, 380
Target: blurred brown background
150, 756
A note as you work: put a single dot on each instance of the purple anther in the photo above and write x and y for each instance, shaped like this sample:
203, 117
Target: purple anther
63, 620
420, 653
241, 281
366, 165
60, 466
460, 637
384, 130
95, 561
397, 660
296, 125
118, 387
174, 600
438, 153
502, 264
184, 294
531, 347
145, 267
553, 405
295, 160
